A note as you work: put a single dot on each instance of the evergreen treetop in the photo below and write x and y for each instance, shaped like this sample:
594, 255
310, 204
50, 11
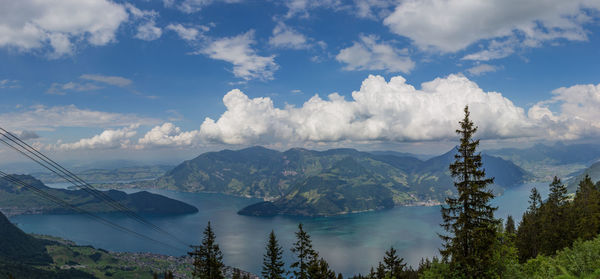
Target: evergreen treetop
304, 253
208, 259
272, 260
469, 217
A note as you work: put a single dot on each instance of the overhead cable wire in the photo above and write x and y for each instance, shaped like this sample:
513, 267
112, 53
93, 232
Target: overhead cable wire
64, 173
60, 202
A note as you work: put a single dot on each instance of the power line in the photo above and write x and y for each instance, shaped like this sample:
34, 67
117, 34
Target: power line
62, 172
60, 202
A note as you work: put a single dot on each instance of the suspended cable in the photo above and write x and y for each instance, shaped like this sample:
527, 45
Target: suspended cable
62, 172
60, 202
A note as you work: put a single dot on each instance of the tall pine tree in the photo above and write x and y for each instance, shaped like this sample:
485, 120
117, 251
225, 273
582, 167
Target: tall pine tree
304, 252
528, 233
555, 232
272, 262
469, 217
509, 228
208, 259
587, 209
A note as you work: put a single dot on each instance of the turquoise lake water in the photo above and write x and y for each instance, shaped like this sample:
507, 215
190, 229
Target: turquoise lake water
350, 243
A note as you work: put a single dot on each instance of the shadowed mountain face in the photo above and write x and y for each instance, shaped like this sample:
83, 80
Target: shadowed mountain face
593, 172
16, 199
17, 246
307, 182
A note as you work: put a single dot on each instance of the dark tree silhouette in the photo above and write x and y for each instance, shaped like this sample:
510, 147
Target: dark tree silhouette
304, 253
208, 259
394, 266
469, 217
272, 262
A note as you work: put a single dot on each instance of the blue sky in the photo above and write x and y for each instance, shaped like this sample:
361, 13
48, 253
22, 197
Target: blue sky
149, 79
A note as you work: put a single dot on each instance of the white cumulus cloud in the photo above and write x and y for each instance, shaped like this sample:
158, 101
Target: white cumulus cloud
148, 31
29, 24
578, 115
369, 54
452, 25
287, 37
168, 134
186, 33
237, 50
482, 69
391, 111
108, 139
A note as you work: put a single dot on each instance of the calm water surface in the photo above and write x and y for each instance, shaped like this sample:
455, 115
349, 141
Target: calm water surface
350, 243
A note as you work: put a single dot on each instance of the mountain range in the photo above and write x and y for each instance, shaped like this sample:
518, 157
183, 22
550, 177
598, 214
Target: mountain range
310, 183
546, 161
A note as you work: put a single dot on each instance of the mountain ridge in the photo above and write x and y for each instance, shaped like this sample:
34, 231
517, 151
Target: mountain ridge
336, 181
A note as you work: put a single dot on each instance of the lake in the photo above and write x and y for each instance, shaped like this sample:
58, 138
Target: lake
350, 243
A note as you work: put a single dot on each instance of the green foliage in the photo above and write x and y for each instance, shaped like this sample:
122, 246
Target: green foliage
469, 217
580, 261
273, 266
586, 206
437, 270
208, 259
509, 228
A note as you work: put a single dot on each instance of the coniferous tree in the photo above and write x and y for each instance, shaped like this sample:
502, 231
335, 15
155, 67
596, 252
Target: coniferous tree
304, 252
555, 232
535, 200
380, 273
558, 192
527, 240
208, 259
237, 274
319, 269
469, 217
509, 228
169, 275
272, 262
587, 209
394, 265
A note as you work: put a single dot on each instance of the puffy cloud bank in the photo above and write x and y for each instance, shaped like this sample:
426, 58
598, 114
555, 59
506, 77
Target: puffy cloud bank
109, 139
379, 111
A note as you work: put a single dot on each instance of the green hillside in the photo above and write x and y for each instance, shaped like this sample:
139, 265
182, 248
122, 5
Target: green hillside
336, 181
16, 199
